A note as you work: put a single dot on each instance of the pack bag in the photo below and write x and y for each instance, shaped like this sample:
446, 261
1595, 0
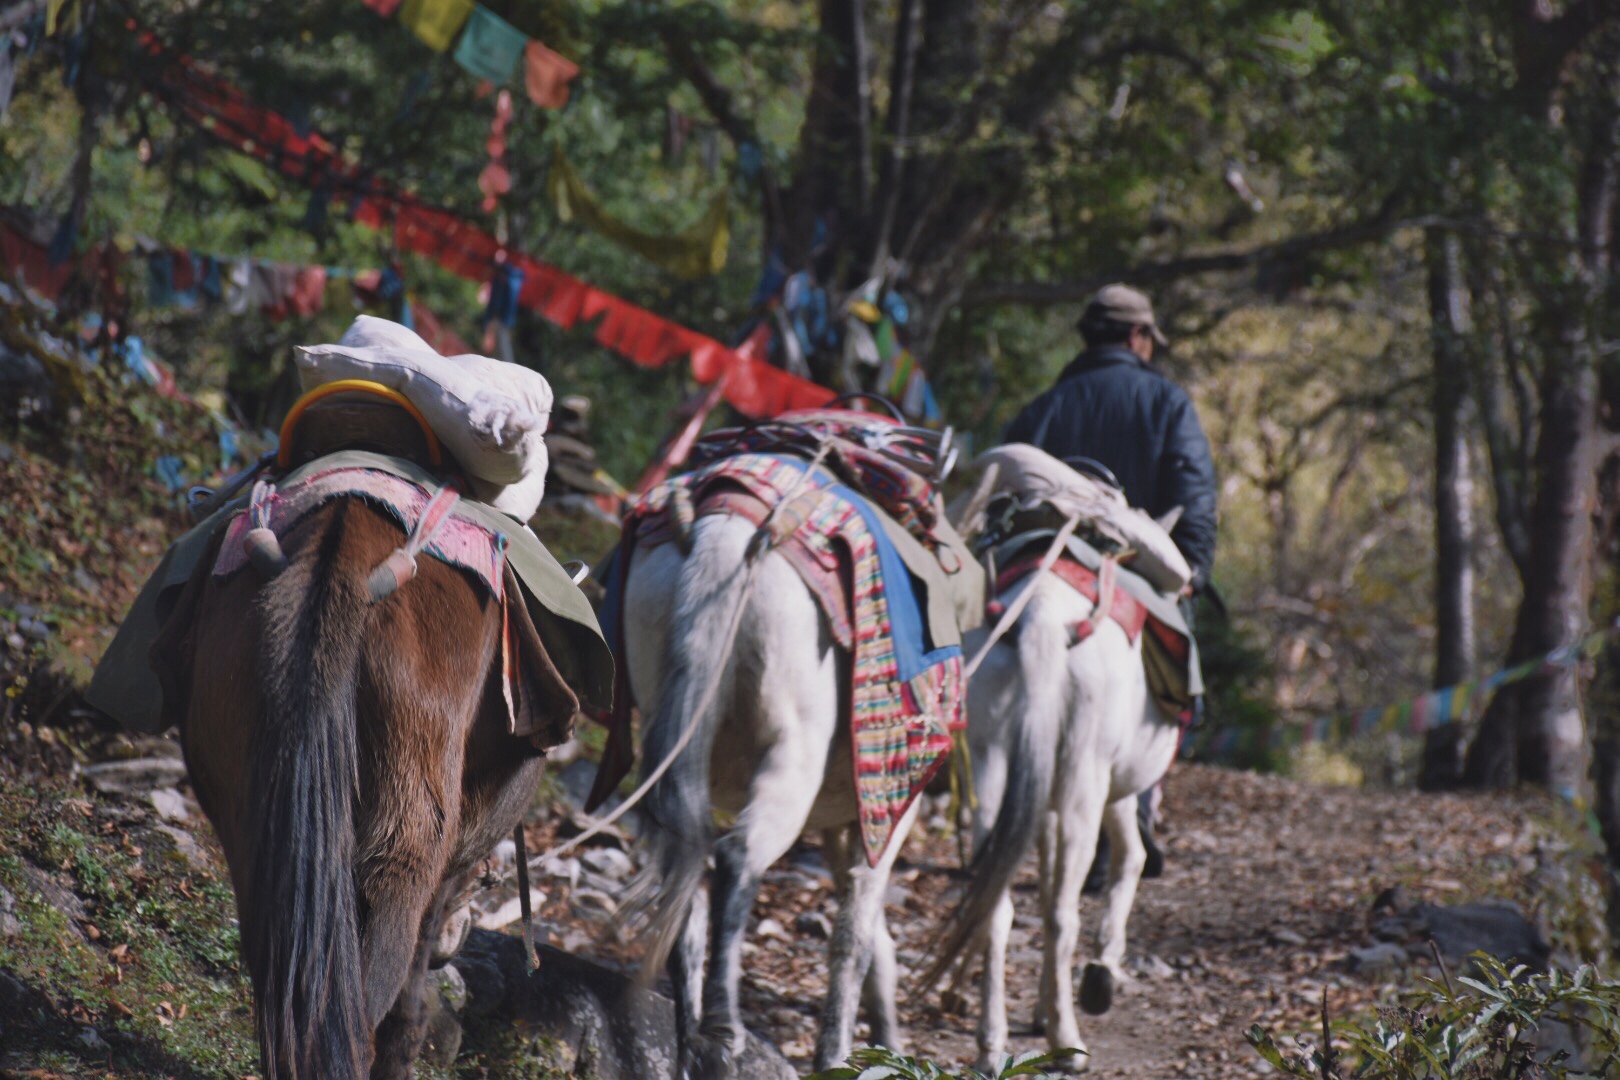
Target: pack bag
490, 415
1032, 478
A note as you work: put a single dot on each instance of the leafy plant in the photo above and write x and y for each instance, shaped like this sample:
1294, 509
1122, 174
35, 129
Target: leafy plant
877, 1063
1491, 1026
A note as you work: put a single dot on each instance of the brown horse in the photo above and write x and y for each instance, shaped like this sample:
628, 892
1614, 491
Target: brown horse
354, 760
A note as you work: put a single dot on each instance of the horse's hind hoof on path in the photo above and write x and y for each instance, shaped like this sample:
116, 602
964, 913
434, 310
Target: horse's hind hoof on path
1096, 989
707, 1057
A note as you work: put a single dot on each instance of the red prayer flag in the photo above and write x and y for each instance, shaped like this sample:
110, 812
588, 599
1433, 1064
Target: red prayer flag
385, 8
547, 74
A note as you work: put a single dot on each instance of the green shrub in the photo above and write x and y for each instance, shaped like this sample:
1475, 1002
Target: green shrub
1487, 1028
876, 1063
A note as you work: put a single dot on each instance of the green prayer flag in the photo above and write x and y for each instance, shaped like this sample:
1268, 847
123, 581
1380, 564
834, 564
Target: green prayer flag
490, 47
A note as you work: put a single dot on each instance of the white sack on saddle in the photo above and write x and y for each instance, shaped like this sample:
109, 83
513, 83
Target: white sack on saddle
1035, 476
490, 415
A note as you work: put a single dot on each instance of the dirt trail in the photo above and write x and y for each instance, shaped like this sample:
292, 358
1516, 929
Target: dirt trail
1268, 888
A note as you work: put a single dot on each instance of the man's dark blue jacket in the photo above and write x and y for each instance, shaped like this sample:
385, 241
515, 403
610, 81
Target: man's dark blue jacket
1110, 406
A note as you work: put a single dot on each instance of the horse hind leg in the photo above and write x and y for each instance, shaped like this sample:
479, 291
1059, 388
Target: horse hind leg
1127, 857
881, 983
417, 710
778, 806
860, 918
1076, 845
992, 1030
686, 980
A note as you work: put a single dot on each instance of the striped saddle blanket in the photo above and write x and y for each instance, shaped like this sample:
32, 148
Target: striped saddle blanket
906, 693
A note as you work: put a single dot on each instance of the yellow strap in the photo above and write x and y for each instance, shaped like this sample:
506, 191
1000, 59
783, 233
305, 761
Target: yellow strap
351, 386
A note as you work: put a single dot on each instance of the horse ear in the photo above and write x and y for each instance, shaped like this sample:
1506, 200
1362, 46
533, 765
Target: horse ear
1168, 520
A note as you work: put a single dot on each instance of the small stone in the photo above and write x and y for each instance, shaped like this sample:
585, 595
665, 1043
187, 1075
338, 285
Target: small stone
594, 901
135, 777
15, 642
9, 924
186, 846
897, 895
1376, 957
1284, 936
91, 1038
814, 924
611, 863
509, 912
452, 935
770, 928
451, 986
170, 804
1149, 966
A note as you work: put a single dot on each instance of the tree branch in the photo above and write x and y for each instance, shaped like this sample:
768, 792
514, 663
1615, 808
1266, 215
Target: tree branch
1380, 224
717, 98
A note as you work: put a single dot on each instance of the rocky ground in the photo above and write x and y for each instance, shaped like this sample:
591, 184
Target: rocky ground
116, 939
1275, 892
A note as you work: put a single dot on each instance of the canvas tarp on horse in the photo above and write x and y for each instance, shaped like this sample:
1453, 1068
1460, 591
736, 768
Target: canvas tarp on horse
127, 688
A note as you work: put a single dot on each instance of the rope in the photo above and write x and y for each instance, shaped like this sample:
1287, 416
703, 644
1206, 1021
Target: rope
1010, 616
759, 544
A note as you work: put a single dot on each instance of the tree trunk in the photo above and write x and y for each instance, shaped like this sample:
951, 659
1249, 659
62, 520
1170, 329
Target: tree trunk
1533, 731
1453, 499
1453, 478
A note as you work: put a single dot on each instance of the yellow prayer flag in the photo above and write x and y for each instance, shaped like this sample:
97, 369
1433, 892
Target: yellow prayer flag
699, 250
436, 22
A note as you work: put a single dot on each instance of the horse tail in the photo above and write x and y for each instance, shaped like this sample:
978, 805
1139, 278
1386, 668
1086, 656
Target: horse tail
697, 666
300, 919
1032, 729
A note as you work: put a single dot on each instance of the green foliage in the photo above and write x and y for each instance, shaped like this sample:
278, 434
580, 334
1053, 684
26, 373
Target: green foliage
1491, 1027
878, 1063
1238, 673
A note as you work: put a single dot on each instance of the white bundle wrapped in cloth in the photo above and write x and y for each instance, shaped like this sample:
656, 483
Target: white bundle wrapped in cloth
1033, 476
490, 415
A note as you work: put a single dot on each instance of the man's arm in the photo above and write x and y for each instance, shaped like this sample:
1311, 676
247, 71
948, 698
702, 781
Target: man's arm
1187, 477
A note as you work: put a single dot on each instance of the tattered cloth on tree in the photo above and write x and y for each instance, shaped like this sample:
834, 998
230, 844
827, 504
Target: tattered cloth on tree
221, 109
490, 46
886, 598
563, 625
546, 75
699, 250
436, 22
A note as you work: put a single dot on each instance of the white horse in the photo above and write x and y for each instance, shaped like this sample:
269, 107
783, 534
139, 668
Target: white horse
772, 753
1063, 740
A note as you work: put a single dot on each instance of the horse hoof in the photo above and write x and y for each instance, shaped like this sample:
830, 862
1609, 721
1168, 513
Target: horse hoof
1097, 989
1066, 1062
708, 1058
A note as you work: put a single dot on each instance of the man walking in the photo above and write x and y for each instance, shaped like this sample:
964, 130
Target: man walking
1112, 406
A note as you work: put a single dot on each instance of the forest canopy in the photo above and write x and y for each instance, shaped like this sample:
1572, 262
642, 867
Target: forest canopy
1380, 236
